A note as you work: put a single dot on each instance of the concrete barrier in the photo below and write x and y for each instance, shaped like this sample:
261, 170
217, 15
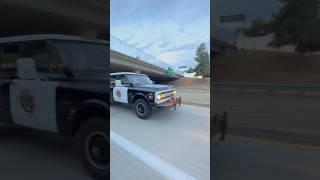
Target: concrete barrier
268, 88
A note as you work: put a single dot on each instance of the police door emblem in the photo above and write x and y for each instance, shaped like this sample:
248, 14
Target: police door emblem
27, 101
118, 93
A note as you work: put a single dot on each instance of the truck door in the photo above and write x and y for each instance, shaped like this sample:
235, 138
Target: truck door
32, 97
120, 90
32, 103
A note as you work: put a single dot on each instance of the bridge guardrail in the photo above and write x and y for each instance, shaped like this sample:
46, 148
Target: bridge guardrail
129, 50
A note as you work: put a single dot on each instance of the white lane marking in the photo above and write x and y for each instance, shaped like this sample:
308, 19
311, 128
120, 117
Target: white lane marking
159, 165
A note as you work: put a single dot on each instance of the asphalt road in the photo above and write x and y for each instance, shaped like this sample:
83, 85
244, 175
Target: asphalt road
27, 154
287, 113
251, 159
180, 138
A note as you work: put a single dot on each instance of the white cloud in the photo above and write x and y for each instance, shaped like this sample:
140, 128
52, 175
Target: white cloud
176, 33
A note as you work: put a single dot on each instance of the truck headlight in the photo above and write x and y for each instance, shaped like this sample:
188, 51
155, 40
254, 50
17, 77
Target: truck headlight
160, 96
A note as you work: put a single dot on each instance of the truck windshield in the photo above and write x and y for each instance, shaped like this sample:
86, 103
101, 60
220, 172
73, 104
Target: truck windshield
139, 79
83, 55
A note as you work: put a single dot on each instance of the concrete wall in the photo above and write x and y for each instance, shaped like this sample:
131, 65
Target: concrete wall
269, 66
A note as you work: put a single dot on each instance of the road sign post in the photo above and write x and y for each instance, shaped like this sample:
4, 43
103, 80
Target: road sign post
170, 71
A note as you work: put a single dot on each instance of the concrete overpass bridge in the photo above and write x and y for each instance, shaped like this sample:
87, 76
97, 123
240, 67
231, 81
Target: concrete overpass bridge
86, 18
124, 57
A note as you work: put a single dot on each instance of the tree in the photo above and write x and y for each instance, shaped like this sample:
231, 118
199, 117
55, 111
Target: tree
191, 70
202, 57
259, 27
297, 24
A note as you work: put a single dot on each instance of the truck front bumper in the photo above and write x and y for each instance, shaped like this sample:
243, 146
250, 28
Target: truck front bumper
171, 103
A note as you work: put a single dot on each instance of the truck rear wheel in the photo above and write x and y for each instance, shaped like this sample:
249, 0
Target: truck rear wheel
142, 109
95, 147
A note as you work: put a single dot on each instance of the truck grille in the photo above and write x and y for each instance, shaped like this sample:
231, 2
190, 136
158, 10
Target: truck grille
168, 93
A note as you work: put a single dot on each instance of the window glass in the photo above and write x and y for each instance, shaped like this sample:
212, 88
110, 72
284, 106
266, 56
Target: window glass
83, 56
139, 79
8, 57
40, 53
124, 80
112, 79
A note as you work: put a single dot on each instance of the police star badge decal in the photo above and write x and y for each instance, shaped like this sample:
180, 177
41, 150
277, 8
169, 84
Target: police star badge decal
27, 101
118, 93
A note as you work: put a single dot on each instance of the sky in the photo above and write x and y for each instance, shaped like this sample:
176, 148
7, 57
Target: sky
170, 30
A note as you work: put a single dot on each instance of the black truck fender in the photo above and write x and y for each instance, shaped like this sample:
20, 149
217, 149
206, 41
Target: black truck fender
88, 108
137, 96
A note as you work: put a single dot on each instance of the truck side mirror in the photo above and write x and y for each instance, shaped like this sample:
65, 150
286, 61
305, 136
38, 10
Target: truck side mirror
26, 69
118, 83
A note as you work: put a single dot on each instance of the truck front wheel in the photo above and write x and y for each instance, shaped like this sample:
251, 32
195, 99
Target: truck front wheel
94, 141
142, 108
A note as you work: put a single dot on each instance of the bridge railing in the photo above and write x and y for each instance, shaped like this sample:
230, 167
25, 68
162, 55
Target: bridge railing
129, 50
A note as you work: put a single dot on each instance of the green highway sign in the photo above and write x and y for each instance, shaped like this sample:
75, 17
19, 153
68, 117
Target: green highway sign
232, 18
170, 71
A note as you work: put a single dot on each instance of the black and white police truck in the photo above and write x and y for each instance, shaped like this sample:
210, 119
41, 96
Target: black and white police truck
141, 92
58, 83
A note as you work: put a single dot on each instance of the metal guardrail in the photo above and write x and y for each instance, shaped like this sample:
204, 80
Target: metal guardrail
269, 86
129, 50
283, 89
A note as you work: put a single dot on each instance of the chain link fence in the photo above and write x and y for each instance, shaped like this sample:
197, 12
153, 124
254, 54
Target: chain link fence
129, 50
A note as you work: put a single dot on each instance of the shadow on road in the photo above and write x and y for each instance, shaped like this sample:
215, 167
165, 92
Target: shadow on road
38, 155
157, 113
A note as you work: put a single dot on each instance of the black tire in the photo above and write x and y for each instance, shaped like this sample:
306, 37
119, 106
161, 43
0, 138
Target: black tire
95, 147
142, 108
